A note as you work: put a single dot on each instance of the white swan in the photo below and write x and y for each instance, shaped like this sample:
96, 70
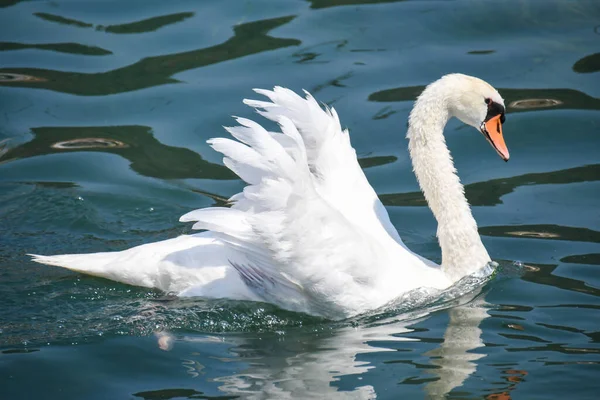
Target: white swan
308, 232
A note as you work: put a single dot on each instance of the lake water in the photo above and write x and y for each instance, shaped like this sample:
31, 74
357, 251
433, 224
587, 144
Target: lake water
105, 108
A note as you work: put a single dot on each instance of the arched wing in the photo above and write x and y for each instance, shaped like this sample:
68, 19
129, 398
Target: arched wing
290, 241
331, 159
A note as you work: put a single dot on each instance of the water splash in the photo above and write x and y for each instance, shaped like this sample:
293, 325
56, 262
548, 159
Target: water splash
79, 309
421, 302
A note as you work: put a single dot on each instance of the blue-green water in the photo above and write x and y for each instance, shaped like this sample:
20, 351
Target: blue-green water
105, 107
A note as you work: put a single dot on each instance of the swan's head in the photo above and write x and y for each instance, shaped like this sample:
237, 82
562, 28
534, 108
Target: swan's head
476, 103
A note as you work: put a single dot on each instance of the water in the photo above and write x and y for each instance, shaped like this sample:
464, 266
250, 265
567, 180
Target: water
105, 109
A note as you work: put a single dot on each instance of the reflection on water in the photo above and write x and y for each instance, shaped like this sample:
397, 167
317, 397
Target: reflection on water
249, 38
543, 274
168, 394
70, 48
62, 20
145, 25
546, 98
593, 258
543, 232
3, 148
336, 3
318, 368
88, 143
534, 103
588, 64
455, 358
481, 52
490, 193
9, 77
368, 162
136, 143
7, 3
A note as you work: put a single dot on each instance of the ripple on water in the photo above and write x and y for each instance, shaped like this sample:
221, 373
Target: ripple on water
87, 309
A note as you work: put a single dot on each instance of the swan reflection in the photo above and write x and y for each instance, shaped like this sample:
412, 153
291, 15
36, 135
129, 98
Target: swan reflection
317, 362
455, 355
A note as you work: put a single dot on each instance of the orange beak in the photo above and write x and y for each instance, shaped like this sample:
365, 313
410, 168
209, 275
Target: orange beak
492, 130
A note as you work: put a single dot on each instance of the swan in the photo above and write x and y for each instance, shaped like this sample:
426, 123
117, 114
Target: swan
308, 232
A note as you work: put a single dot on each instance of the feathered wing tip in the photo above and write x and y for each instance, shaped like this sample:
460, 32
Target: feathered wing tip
317, 124
273, 164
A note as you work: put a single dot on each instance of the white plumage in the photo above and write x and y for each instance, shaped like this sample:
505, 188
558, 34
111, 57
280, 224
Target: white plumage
308, 232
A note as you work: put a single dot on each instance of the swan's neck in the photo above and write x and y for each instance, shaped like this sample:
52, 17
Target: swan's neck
462, 250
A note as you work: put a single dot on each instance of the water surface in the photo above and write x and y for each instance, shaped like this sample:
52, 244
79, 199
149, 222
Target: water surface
106, 107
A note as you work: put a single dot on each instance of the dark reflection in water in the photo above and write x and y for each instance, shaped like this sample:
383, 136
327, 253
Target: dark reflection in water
489, 193
8, 3
481, 52
62, 20
555, 347
592, 258
376, 161
588, 64
71, 48
136, 143
337, 3
19, 351
168, 394
553, 98
8, 77
145, 25
556, 232
249, 38
543, 275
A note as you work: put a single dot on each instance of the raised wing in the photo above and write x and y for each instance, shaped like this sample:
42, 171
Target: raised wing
289, 240
332, 161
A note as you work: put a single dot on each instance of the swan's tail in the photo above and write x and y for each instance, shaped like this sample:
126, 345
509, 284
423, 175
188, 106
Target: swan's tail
97, 264
170, 265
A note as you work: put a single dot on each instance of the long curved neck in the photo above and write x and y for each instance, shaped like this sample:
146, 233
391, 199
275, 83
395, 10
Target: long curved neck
462, 250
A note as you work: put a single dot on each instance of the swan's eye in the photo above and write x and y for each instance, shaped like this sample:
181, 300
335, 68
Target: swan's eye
494, 109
